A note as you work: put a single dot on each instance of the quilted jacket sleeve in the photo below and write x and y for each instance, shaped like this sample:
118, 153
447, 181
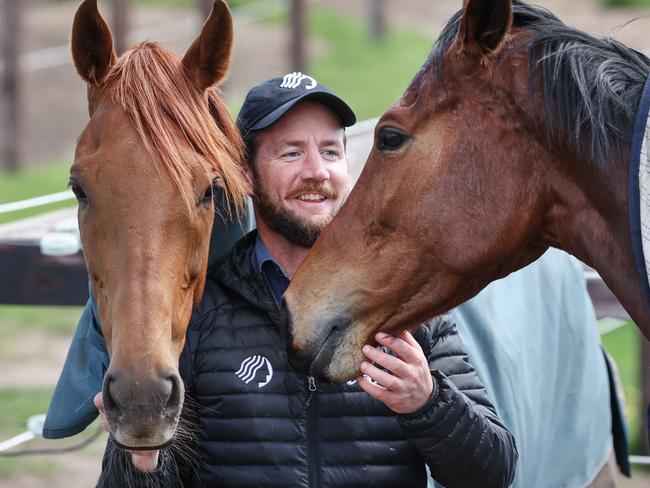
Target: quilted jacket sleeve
458, 432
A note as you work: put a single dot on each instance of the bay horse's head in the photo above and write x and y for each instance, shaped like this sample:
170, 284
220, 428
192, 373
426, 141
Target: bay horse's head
507, 140
158, 144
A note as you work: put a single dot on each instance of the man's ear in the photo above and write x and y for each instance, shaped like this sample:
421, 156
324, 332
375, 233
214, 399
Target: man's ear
484, 26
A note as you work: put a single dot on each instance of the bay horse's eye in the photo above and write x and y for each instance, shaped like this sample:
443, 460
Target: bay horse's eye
390, 139
79, 193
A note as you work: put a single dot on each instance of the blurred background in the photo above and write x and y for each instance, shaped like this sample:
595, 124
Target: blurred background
365, 50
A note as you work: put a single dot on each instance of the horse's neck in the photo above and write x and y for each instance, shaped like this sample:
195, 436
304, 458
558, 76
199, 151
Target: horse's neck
590, 219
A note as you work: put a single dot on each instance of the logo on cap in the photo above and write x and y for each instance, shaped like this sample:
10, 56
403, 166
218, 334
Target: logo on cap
294, 80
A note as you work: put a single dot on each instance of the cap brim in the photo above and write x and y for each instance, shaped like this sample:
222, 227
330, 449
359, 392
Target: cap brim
338, 106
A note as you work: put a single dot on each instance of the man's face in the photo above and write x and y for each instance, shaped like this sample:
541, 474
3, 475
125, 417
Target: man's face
300, 176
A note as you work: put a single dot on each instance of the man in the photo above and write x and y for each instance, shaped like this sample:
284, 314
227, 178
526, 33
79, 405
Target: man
259, 422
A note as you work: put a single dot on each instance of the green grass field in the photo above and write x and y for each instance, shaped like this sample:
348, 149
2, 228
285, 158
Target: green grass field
626, 3
34, 182
623, 345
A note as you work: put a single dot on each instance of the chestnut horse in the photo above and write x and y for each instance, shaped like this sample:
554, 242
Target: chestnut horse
514, 136
158, 141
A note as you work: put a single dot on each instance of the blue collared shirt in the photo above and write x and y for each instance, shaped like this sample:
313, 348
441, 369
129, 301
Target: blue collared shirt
264, 263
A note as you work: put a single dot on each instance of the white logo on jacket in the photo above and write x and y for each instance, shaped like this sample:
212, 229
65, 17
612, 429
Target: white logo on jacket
251, 366
293, 80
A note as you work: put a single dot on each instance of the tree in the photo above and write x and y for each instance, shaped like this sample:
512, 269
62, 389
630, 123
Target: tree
10, 84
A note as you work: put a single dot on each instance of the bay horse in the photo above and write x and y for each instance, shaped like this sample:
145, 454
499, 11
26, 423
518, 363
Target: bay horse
158, 144
514, 136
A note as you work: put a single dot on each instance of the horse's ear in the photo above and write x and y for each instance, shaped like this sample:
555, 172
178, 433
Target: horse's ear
208, 57
484, 25
92, 43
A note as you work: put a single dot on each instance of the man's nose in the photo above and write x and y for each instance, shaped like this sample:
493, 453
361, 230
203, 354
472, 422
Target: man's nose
315, 167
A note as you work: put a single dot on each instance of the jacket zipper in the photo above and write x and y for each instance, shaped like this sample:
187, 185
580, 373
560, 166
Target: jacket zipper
312, 438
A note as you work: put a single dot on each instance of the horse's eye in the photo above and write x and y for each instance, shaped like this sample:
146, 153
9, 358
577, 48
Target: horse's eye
390, 139
208, 196
79, 193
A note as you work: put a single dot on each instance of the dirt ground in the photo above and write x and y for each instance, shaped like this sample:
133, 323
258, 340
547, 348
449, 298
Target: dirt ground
54, 100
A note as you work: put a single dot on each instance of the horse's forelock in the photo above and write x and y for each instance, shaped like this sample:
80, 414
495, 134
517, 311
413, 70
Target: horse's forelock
171, 114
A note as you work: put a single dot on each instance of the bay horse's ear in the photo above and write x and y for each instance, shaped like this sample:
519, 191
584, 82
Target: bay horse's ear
484, 25
208, 57
92, 43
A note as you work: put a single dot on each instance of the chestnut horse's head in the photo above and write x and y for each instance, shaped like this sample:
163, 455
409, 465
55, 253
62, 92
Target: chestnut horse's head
469, 178
158, 143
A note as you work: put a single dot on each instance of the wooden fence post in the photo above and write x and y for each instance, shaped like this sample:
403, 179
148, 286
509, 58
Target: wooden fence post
205, 7
10, 31
120, 25
298, 35
377, 19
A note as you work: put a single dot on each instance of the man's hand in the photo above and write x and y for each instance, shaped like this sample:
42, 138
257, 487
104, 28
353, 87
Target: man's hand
407, 384
142, 460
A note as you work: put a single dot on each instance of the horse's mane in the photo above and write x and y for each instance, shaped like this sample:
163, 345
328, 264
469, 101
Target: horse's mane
171, 114
591, 86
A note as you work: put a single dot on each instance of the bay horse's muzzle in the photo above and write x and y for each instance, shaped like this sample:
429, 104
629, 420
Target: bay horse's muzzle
143, 412
315, 356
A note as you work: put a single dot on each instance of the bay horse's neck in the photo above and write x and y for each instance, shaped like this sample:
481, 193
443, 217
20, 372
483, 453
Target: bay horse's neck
590, 219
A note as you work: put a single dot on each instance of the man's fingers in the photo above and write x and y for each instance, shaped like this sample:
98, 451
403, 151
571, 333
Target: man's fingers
405, 351
408, 337
98, 400
385, 379
375, 391
395, 365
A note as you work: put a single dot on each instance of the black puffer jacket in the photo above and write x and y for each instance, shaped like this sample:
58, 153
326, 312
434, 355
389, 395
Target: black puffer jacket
261, 424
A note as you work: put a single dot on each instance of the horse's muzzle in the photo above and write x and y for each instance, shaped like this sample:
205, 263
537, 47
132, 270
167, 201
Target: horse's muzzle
143, 412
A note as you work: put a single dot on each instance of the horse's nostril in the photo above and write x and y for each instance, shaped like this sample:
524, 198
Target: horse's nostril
110, 405
174, 399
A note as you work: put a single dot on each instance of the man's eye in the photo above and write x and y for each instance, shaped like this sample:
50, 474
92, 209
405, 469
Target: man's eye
292, 154
390, 139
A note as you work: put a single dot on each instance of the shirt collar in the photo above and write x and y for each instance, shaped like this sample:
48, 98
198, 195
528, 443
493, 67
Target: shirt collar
261, 256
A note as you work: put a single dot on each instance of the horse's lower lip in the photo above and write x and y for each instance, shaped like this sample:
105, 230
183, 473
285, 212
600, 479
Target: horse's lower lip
142, 448
324, 355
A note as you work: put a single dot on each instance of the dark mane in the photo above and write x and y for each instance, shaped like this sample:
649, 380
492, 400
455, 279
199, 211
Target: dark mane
591, 86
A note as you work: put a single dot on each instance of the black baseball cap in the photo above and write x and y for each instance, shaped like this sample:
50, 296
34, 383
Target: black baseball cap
267, 102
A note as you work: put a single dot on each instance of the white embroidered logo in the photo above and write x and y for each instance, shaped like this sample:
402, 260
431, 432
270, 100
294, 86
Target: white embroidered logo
293, 80
251, 366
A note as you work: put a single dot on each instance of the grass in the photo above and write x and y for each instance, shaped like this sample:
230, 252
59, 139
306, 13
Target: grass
369, 75
626, 3
34, 182
623, 345
16, 406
